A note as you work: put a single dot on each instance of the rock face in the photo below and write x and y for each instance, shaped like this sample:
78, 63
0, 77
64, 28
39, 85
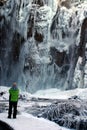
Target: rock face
2, 2
42, 42
60, 58
83, 39
66, 3
39, 2
3, 126
68, 31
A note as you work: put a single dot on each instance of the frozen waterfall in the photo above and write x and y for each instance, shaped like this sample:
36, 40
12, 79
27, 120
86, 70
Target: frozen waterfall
41, 42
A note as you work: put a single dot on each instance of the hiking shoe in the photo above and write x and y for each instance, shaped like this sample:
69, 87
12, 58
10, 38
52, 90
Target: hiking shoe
14, 117
9, 117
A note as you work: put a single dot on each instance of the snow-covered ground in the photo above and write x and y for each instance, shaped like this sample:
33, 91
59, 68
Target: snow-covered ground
58, 94
29, 122
26, 121
53, 93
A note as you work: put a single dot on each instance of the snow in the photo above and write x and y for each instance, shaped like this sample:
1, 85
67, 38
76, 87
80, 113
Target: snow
59, 94
52, 93
26, 121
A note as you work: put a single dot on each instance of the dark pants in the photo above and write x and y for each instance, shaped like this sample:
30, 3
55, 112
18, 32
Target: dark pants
14, 106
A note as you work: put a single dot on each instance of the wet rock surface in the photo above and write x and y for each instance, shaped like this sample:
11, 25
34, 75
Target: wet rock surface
2, 2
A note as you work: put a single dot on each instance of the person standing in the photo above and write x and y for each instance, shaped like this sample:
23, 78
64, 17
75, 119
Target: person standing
13, 100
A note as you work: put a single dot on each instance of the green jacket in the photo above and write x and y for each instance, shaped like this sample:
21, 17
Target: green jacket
14, 93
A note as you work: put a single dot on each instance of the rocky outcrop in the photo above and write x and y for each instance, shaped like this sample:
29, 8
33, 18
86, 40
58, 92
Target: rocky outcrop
39, 2
17, 44
30, 25
4, 126
65, 3
83, 39
71, 113
60, 58
38, 37
61, 32
2, 2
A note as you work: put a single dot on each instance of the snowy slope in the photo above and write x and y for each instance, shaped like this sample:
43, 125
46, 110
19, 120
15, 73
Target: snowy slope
58, 94
26, 121
53, 93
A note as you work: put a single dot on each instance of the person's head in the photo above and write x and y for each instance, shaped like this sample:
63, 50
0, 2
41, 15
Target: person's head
14, 84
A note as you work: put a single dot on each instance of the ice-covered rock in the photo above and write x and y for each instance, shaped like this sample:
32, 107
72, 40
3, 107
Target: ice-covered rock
70, 113
40, 43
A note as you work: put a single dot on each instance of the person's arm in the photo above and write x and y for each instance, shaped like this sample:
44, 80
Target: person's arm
9, 94
18, 94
